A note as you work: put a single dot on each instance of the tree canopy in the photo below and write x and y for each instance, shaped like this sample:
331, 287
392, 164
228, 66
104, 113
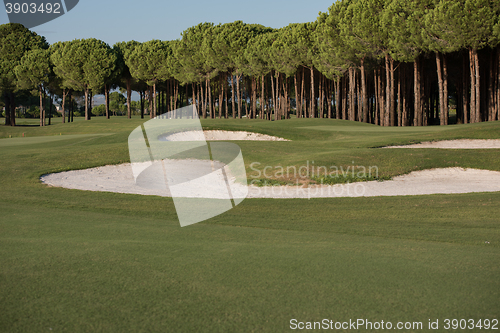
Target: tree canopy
15, 41
388, 62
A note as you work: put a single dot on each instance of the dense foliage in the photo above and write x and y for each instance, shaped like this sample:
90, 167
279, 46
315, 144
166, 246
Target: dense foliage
387, 62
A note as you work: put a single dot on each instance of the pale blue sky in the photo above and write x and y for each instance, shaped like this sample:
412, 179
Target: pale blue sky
123, 20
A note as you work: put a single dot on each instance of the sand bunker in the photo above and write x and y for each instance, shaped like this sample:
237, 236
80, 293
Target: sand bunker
119, 178
217, 135
456, 144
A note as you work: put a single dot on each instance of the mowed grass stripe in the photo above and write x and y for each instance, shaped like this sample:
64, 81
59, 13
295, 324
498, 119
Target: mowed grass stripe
44, 139
112, 272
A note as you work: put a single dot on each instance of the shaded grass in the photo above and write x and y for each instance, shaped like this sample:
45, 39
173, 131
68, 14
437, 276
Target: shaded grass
87, 271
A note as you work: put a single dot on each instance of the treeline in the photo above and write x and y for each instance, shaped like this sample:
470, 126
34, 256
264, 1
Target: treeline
386, 62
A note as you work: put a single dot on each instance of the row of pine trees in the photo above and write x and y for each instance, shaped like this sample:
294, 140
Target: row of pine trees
386, 62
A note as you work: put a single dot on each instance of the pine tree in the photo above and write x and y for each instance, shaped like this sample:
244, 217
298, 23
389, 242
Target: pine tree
15, 41
33, 72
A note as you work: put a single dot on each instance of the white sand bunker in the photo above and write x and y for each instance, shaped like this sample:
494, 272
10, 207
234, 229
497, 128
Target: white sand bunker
456, 144
217, 135
433, 181
119, 178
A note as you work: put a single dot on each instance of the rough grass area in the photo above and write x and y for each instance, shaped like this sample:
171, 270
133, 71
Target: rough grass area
80, 261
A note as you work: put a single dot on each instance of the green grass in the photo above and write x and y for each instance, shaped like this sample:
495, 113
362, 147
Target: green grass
81, 261
344, 179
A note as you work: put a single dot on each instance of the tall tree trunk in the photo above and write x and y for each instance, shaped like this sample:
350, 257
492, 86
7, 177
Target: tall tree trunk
419, 114
297, 100
221, 95
491, 86
302, 87
170, 95
225, 101
329, 98
399, 110
41, 104
233, 104
392, 109
279, 95
86, 104
406, 97
194, 99
141, 94
337, 98
204, 99
64, 93
106, 100
150, 102
440, 88
129, 98
388, 101
47, 103
445, 89
377, 101
199, 96
498, 84
248, 88
359, 102
71, 106
352, 86
238, 93
304, 94
320, 97
173, 100
363, 91
277, 105
6, 100
478, 87
254, 97
284, 105
262, 91
442, 72
91, 97
344, 98
313, 98
273, 96
176, 94
472, 65
371, 102
283, 97
51, 104
211, 109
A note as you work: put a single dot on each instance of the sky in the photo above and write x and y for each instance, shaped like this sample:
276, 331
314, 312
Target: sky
124, 20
